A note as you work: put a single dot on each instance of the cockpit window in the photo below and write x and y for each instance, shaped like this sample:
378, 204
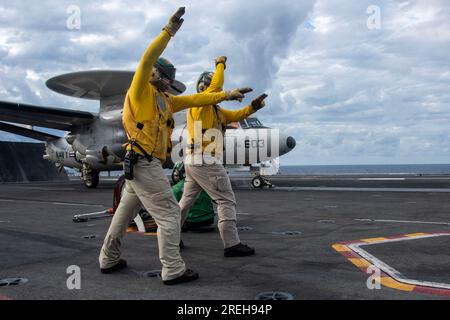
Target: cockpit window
251, 123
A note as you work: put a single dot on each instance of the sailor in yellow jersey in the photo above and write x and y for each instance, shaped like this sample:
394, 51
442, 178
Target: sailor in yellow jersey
148, 122
209, 174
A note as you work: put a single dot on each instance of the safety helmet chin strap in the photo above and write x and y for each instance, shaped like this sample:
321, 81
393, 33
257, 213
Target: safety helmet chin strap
159, 81
202, 87
204, 81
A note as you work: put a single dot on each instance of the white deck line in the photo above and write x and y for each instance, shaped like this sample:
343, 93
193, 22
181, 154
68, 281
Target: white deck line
76, 204
422, 190
404, 221
395, 274
381, 179
52, 202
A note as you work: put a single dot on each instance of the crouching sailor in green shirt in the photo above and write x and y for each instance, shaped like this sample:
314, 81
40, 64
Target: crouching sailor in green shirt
200, 217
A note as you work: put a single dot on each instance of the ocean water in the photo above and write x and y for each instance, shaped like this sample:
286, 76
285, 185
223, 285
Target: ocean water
410, 169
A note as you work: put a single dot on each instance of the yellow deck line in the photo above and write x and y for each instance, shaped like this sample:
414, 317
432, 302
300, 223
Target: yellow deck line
359, 262
394, 284
413, 235
371, 240
341, 248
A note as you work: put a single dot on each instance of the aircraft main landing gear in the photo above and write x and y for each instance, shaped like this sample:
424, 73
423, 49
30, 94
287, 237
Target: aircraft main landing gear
90, 177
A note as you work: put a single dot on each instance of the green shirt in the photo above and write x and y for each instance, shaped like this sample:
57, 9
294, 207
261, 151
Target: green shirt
202, 209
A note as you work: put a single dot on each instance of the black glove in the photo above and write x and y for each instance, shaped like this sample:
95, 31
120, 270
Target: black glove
259, 103
237, 94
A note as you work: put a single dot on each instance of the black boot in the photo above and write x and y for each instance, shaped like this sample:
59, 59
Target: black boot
122, 264
239, 250
188, 275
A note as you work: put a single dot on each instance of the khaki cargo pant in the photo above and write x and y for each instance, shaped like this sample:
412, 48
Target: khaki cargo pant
150, 189
212, 178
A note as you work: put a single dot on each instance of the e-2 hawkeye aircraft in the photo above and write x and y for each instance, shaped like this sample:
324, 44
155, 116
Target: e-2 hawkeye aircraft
93, 142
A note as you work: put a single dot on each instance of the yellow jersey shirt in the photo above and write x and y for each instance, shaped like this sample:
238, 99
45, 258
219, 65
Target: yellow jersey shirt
212, 116
152, 109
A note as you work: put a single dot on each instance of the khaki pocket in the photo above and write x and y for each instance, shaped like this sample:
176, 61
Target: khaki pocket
163, 199
158, 201
220, 183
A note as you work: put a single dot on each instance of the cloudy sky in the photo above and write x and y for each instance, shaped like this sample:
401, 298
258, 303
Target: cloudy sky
351, 88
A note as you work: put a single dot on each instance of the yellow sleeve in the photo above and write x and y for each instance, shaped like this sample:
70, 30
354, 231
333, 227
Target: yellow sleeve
144, 70
196, 100
237, 115
218, 79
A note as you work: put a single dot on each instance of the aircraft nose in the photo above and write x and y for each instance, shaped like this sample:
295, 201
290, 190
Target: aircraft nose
287, 143
291, 143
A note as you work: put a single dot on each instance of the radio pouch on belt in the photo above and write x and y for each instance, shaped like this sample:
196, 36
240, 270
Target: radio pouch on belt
131, 157
128, 164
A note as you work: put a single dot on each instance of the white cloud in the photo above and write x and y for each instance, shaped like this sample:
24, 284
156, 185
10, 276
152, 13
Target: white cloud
346, 93
323, 24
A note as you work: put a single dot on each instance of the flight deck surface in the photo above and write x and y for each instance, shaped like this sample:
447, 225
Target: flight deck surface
307, 232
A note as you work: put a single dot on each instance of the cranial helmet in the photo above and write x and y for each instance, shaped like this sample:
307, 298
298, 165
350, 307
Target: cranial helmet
165, 69
178, 172
204, 81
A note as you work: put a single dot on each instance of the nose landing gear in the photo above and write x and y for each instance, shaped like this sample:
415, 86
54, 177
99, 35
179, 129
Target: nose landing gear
259, 182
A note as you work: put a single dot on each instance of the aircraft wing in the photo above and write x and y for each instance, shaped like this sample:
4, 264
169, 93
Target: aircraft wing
54, 118
33, 134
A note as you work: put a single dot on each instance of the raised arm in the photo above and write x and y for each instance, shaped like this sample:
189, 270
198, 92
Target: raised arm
154, 50
238, 115
219, 76
197, 100
205, 99
144, 70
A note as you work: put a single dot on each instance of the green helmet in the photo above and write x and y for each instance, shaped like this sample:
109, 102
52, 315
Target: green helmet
178, 172
204, 80
166, 69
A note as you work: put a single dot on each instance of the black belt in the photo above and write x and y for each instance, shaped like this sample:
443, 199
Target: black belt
139, 156
146, 155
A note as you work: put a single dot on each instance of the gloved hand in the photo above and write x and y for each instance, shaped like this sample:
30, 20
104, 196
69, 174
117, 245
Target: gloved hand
175, 22
223, 60
259, 103
237, 94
